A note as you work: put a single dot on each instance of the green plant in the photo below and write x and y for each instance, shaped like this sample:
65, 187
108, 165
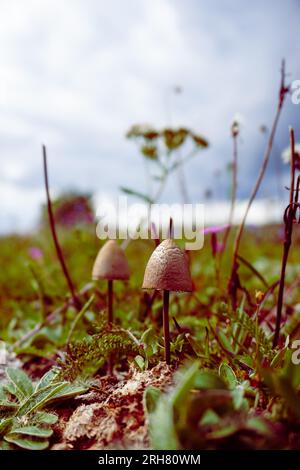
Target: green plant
203, 412
162, 150
150, 348
284, 383
24, 423
242, 337
85, 357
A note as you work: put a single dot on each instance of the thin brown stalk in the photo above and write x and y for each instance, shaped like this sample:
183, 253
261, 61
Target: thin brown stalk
289, 221
55, 237
233, 282
253, 270
166, 326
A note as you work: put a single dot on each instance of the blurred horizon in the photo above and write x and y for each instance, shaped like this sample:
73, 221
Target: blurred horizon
76, 75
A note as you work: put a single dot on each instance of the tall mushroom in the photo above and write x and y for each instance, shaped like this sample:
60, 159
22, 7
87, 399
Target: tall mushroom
111, 264
167, 270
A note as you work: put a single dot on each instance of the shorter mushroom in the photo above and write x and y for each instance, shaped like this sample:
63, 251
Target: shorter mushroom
111, 264
167, 270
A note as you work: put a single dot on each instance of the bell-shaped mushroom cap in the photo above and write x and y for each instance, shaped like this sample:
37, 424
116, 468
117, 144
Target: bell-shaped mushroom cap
111, 263
168, 269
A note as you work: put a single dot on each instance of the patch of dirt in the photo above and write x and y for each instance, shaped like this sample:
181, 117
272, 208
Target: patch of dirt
113, 416
37, 366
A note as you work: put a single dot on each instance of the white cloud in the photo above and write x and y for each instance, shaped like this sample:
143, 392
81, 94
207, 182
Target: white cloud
76, 74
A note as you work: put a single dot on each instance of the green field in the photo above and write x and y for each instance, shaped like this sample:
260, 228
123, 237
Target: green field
226, 385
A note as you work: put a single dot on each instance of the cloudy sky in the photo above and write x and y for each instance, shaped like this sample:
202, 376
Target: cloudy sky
75, 74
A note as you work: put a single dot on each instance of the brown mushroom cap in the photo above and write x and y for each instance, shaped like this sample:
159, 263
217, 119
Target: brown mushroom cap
168, 269
111, 263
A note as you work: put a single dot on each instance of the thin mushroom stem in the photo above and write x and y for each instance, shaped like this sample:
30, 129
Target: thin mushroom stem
166, 296
110, 296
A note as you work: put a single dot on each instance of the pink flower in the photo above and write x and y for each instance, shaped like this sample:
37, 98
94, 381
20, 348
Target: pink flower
215, 229
35, 253
216, 246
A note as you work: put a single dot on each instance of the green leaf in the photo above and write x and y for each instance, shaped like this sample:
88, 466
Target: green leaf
3, 393
40, 398
278, 358
246, 360
161, 426
238, 399
151, 397
227, 374
209, 418
150, 342
223, 432
5, 424
67, 391
32, 431
29, 444
206, 380
225, 341
6, 446
22, 383
132, 192
187, 381
47, 379
10, 389
161, 419
168, 409
258, 425
140, 362
45, 418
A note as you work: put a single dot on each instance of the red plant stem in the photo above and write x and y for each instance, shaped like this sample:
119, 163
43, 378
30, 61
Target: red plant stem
253, 270
287, 241
286, 248
166, 295
282, 93
293, 169
55, 238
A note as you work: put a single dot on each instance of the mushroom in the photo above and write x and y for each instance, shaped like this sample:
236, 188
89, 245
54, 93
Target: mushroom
167, 270
111, 264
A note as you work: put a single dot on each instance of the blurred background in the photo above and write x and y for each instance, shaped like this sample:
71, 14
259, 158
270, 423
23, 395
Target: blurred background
76, 75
